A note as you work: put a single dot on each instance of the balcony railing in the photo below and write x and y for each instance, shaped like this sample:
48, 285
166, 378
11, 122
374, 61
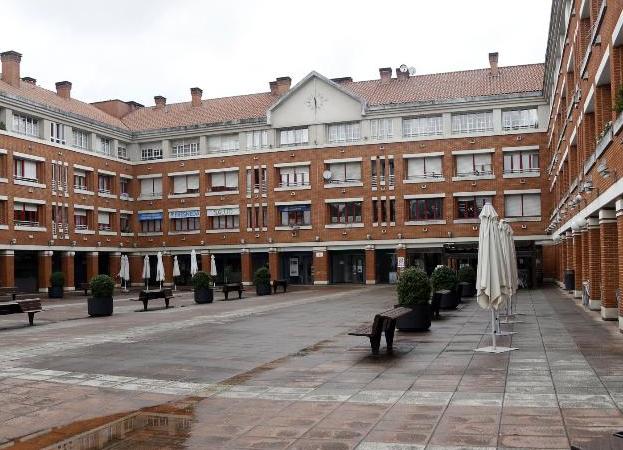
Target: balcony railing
519, 171
426, 175
151, 194
103, 227
104, 191
345, 181
296, 183
82, 227
82, 187
21, 178
26, 223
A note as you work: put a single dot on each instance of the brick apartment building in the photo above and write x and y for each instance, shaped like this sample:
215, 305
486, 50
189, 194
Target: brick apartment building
326, 181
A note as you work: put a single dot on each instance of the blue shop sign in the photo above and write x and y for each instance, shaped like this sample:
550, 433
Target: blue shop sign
185, 214
150, 216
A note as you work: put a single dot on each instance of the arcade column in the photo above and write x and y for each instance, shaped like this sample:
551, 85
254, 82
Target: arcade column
45, 270
321, 265
67, 266
7, 268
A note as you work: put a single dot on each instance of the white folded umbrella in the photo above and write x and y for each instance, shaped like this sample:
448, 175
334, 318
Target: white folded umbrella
194, 268
146, 270
213, 266
491, 276
176, 270
160, 269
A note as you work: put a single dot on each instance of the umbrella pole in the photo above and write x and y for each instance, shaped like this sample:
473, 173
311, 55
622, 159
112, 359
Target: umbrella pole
493, 327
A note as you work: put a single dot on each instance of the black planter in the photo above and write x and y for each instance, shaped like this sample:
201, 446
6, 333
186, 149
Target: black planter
99, 306
569, 279
204, 295
417, 320
262, 289
55, 292
449, 300
466, 289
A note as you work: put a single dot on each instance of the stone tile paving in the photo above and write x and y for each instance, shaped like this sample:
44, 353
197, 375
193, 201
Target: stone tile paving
275, 375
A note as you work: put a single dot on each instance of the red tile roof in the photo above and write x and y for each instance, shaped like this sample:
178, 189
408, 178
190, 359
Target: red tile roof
421, 88
51, 100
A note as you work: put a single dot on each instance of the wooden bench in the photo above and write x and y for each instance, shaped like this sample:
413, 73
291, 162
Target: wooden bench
282, 283
384, 322
232, 287
12, 291
164, 294
29, 306
86, 287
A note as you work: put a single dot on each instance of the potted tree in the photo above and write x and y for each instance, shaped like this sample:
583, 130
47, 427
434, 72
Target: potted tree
444, 278
202, 285
261, 279
101, 302
414, 293
467, 281
57, 282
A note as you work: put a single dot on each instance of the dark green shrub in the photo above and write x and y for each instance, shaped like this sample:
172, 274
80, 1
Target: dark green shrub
467, 274
443, 277
57, 279
102, 286
202, 280
262, 277
413, 287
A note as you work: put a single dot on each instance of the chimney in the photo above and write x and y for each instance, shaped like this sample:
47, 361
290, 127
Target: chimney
402, 75
63, 89
195, 94
493, 61
280, 86
160, 101
386, 74
10, 67
30, 80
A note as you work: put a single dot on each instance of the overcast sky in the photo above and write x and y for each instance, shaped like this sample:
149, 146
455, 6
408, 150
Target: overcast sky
135, 49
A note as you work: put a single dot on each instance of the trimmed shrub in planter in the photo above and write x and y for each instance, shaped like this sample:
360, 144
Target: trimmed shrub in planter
444, 278
57, 282
414, 292
261, 279
467, 281
101, 302
202, 285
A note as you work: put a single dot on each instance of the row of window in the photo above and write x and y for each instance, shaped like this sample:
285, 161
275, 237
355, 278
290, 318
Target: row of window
526, 205
341, 133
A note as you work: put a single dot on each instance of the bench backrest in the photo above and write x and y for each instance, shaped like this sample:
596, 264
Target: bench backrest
31, 304
395, 313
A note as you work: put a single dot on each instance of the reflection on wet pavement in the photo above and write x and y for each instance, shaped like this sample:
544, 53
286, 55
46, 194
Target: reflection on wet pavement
158, 427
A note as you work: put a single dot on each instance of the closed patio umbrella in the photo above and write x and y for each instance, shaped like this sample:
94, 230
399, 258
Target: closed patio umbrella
124, 273
510, 267
194, 268
146, 270
176, 270
491, 276
160, 269
213, 266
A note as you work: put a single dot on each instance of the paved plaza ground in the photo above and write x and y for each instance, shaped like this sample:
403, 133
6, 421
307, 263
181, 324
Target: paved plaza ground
281, 372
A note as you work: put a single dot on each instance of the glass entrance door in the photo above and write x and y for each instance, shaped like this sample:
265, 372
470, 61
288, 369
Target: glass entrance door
348, 267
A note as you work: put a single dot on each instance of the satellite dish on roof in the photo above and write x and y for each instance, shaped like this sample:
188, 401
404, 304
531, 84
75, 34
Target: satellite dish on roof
327, 175
403, 68
412, 71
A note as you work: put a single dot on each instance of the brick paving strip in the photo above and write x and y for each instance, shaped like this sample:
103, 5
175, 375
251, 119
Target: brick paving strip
564, 384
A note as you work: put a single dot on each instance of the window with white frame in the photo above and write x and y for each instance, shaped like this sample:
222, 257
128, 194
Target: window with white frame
345, 172
25, 170
104, 145
473, 164
124, 186
425, 167
224, 181
186, 184
473, 122
57, 133
25, 214
122, 152
151, 226
125, 223
346, 212
294, 215
223, 143
151, 153
520, 119
521, 162
425, 209
522, 205
344, 132
381, 129
81, 219
80, 180
27, 125
293, 136
80, 139
294, 176
422, 126
185, 149
470, 207
104, 183
151, 187
103, 221
186, 224
257, 140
